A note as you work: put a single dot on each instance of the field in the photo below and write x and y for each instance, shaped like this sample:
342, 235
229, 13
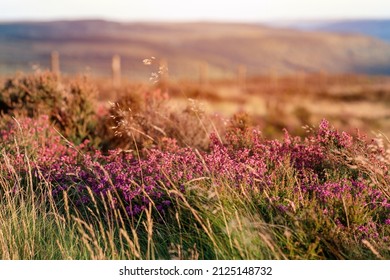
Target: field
270, 167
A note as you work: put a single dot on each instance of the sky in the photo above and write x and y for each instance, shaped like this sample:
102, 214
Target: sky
193, 10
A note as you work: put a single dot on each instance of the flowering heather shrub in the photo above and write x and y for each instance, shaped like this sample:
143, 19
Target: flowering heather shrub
29, 95
327, 185
78, 119
69, 107
32, 143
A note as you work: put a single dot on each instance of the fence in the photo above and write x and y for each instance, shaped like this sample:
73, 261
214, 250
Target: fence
116, 71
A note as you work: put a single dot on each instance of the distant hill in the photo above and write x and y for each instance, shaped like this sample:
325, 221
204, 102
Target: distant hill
375, 28
89, 45
379, 28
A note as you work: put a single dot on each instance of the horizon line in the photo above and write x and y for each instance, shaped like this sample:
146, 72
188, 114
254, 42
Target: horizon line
252, 21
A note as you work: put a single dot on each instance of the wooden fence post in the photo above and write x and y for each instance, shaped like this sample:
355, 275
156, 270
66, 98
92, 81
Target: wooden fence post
116, 71
55, 63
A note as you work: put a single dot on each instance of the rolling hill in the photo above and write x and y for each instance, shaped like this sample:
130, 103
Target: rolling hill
88, 46
377, 28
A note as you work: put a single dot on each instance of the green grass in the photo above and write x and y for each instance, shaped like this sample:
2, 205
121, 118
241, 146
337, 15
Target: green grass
212, 221
265, 215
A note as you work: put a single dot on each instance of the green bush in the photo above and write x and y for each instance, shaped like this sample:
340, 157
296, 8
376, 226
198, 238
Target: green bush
70, 106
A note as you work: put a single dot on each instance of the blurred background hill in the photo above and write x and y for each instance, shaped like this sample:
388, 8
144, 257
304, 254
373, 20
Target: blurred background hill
378, 28
87, 46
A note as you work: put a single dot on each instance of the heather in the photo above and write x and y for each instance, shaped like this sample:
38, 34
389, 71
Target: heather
160, 192
69, 106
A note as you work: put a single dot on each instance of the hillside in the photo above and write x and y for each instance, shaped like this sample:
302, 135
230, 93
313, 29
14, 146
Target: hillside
89, 46
379, 28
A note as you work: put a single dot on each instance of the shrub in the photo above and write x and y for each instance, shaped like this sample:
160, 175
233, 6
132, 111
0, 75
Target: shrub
237, 194
144, 121
70, 107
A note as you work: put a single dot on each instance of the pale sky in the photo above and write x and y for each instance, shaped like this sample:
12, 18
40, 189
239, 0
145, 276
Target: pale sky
180, 10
